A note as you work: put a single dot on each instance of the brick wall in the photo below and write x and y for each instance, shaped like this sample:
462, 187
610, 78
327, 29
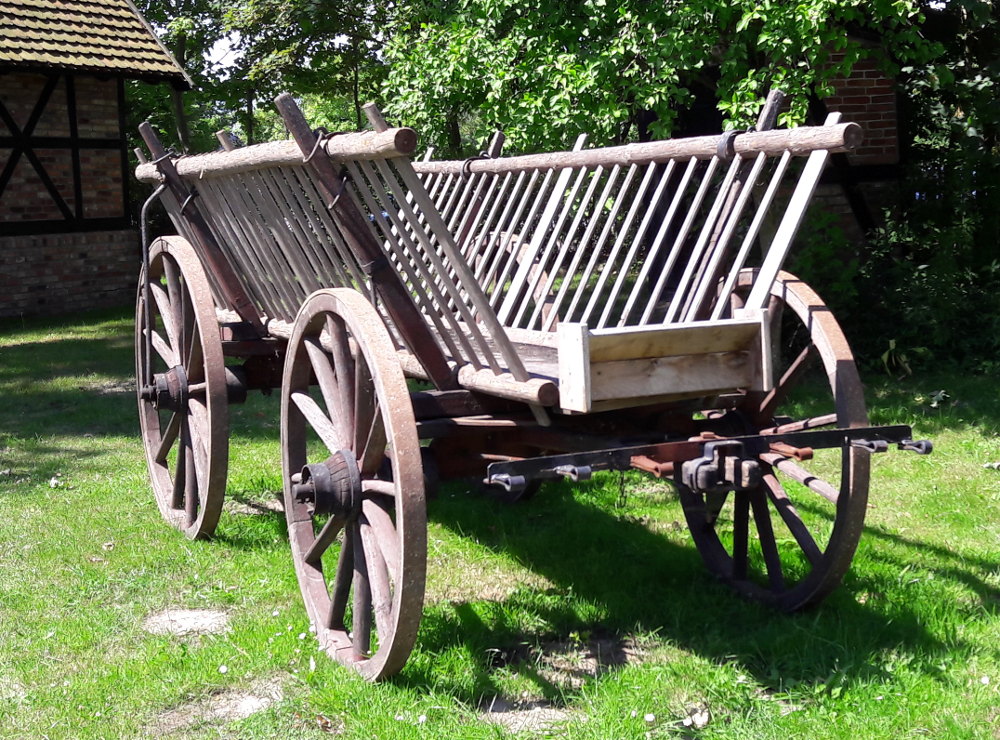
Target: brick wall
868, 98
56, 269
26, 198
62, 273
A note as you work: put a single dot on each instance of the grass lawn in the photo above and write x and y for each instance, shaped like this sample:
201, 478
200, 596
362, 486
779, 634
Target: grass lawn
584, 612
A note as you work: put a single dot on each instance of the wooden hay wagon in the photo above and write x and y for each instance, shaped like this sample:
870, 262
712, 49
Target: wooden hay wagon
597, 309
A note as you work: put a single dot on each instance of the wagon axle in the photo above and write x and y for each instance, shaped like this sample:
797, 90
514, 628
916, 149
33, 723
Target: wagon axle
332, 486
170, 391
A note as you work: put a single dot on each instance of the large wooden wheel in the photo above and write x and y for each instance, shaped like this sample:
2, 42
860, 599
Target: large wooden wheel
790, 540
181, 378
354, 496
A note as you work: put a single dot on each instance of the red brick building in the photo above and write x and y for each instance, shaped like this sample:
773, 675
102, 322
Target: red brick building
66, 242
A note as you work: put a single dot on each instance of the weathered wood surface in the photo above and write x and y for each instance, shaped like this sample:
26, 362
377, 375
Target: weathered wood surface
637, 363
798, 141
365, 145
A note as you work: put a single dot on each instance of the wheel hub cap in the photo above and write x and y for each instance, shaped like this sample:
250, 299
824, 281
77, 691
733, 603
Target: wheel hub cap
331, 487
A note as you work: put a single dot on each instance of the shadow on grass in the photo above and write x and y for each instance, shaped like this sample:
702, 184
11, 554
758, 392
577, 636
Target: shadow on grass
69, 386
613, 576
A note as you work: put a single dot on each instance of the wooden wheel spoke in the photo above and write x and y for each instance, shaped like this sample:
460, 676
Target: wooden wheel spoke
162, 301
385, 534
198, 421
378, 581
188, 325
765, 535
365, 414
180, 469
168, 438
343, 364
361, 614
371, 441
790, 516
788, 381
326, 537
174, 289
741, 534
164, 350
191, 498
195, 357
319, 422
328, 386
341, 584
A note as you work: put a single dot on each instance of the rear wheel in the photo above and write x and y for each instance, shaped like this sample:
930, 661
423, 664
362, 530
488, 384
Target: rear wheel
790, 540
181, 379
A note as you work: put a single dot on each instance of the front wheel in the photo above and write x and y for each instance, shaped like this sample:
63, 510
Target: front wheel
181, 379
354, 492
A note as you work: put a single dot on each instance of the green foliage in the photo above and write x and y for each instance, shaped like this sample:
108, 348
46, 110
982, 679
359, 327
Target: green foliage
619, 69
933, 271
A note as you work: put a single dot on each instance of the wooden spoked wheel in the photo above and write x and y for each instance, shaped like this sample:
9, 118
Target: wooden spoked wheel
790, 540
181, 376
354, 495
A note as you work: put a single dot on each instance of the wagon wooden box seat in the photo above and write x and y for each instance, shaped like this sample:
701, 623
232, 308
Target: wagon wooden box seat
618, 291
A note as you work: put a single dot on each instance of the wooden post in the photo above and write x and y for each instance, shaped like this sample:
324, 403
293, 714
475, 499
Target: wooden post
208, 250
765, 122
373, 261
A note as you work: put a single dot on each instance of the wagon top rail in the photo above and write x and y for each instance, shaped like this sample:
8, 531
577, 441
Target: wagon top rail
799, 141
402, 142
361, 145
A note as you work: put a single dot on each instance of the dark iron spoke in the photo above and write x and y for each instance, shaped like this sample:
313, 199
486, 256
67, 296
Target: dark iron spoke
326, 537
341, 584
741, 533
168, 438
790, 516
779, 393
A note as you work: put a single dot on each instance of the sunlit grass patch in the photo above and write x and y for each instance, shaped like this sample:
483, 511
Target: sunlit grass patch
586, 606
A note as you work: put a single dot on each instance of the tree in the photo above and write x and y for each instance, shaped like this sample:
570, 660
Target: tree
619, 69
302, 46
189, 29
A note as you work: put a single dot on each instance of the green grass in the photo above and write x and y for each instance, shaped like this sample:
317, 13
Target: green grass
520, 596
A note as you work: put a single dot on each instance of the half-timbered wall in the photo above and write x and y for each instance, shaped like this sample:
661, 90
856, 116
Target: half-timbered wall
65, 239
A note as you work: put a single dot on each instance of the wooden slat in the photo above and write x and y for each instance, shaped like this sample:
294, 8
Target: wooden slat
629, 343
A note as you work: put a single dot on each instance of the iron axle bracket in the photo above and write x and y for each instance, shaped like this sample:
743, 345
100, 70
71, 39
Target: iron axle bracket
709, 464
